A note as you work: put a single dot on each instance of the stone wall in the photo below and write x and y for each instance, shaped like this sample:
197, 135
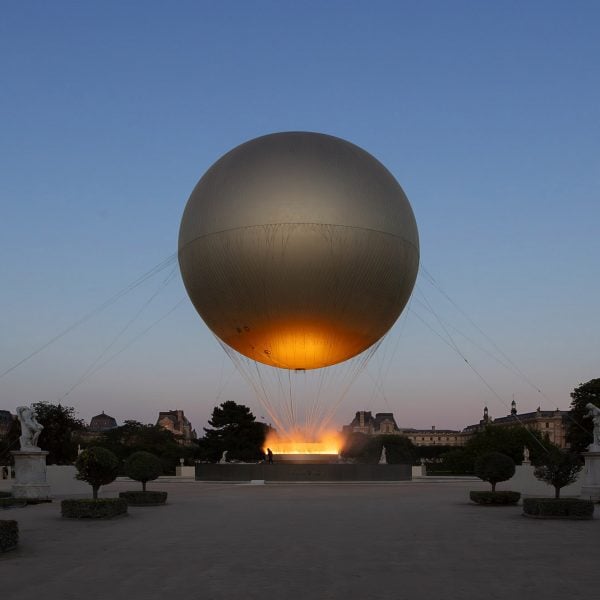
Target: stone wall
301, 472
525, 482
63, 483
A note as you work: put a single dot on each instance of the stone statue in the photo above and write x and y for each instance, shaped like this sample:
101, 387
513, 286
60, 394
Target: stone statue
526, 455
30, 428
594, 414
223, 458
383, 457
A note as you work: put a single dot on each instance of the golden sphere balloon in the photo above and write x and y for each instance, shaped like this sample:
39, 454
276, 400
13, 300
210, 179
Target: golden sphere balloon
299, 250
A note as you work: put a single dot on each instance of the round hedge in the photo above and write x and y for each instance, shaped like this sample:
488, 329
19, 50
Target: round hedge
9, 535
84, 508
558, 508
12, 502
495, 498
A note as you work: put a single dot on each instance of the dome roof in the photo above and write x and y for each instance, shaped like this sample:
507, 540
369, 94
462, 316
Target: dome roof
102, 422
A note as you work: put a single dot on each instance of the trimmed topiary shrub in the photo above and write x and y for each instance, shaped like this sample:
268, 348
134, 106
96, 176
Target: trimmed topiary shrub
494, 467
558, 468
9, 535
35, 500
148, 498
105, 508
11, 502
97, 466
558, 508
495, 498
143, 466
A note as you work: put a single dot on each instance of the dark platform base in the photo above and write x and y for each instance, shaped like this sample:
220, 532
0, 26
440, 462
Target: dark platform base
302, 472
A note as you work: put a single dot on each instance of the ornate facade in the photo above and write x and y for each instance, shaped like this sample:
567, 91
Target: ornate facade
101, 423
178, 424
551, 423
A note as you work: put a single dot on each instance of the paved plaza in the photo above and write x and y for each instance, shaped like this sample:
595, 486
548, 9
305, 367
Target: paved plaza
300, 541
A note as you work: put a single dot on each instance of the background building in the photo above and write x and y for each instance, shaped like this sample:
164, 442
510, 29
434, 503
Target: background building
365, 422
436, 437
178, 424
385, 424
101, 423
551, 423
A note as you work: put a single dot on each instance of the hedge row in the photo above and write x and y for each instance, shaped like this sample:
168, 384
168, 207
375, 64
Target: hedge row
9, 502
569, 508
9, 535
5, 494
148, 498
495, 497
86, 508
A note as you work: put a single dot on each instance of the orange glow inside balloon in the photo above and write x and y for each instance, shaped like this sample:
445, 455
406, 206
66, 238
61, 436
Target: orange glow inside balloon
299, 344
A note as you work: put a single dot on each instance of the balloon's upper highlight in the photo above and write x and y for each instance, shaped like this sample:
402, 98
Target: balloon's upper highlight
299, 250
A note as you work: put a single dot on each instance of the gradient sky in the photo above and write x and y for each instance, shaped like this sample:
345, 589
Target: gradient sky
487, 113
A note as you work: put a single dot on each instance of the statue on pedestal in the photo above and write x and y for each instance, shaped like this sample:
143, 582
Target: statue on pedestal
594, 414
383, 457
591, 476
30, 428
30, 460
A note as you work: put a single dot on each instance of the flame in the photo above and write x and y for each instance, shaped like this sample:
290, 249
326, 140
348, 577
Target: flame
329, 442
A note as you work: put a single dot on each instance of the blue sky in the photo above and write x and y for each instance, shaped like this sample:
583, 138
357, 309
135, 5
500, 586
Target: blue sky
488, 114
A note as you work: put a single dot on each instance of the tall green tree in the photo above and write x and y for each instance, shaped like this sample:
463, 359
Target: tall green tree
579, 431
59, 434
9, 442
359, 447
134, 436
506, 440
367, 449
233, 429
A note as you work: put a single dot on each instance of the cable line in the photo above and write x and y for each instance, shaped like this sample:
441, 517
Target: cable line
517, 370
109, 302
138, 313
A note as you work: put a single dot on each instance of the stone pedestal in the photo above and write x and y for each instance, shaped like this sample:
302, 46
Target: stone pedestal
590, 490
30, 474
